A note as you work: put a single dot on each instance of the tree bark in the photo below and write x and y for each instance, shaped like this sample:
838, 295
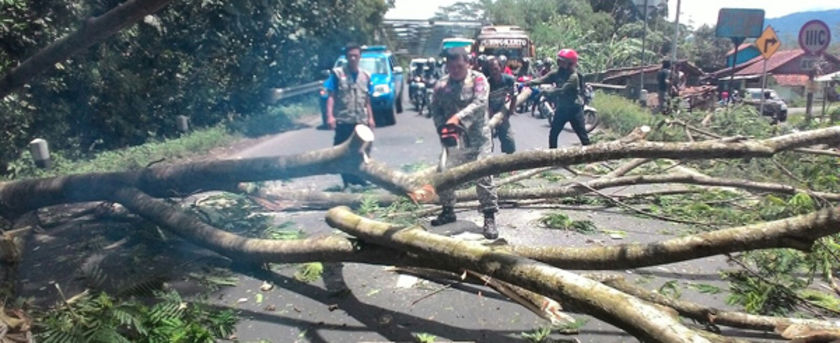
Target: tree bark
93, 30
629, 313
177, 180
797, 233
332, 248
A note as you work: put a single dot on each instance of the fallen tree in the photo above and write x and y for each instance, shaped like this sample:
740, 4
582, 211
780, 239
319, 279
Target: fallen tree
536, 269
18, 197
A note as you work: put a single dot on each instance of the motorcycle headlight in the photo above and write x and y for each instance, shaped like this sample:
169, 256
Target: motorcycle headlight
380, 90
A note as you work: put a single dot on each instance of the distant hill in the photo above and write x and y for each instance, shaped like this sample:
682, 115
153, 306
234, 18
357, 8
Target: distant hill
787, 27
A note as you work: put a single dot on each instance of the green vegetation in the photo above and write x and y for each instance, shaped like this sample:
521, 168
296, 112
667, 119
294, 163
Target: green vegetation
561, 221
539, 335
424, 337
104, 319
214, 67
169, 151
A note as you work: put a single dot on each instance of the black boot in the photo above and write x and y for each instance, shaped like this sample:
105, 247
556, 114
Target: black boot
490, 231
445, 217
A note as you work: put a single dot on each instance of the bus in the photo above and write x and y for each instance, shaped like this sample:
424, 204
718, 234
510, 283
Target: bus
457, 43
509, 40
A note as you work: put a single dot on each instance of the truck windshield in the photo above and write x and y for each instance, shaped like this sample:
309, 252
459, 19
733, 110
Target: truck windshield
372, 65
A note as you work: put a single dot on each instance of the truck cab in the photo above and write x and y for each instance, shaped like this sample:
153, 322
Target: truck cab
386, 83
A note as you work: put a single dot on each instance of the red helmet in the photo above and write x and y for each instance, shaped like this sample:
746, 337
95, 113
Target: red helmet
568, 55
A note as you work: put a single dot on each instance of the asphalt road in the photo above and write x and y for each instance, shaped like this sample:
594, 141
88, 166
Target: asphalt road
355, 302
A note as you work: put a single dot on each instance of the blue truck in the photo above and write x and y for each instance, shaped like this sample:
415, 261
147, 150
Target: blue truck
386, 87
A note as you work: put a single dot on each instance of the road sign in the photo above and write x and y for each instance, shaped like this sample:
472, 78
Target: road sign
814, 37
739, 22
768, 43
808, 62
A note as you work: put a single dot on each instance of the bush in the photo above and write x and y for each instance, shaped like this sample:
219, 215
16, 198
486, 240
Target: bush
620, 114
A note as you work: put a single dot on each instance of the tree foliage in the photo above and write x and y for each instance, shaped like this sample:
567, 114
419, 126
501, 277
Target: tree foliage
213, 67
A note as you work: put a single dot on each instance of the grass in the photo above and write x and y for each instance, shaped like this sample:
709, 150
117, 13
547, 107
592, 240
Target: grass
196, 143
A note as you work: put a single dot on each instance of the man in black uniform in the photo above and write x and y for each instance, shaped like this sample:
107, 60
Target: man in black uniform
663, 82
501, 88
568, 102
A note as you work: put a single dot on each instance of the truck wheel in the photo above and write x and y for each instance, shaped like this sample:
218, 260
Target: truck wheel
384, 117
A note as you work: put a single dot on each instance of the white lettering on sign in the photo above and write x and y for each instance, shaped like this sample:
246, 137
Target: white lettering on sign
504, 43
814, 37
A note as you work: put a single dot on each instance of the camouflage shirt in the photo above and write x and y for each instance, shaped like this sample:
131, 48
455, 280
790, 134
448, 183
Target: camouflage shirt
466, 99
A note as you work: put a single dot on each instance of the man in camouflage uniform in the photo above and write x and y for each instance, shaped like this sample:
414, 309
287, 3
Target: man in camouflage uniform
460, 99
348, 103
501, 88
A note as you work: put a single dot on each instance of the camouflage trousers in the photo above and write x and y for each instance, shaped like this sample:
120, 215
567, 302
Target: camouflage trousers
484, 187
505, 133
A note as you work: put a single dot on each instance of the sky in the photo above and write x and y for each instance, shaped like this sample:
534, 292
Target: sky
694, 12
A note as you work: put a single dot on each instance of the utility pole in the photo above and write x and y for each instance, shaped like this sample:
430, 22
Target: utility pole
676, 34
642, 70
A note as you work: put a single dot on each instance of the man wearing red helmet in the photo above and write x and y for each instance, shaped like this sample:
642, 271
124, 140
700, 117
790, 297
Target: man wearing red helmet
568, 103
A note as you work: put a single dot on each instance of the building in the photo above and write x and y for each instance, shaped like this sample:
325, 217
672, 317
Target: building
630, 77
786, 73
746, 52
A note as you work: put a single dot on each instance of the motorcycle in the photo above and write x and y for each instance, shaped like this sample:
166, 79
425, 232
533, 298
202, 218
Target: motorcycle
545, 109
417, 92
428, 92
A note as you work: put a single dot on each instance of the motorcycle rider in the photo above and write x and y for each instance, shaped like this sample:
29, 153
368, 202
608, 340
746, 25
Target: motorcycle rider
503, 60
568, 102
460, 103
501, 88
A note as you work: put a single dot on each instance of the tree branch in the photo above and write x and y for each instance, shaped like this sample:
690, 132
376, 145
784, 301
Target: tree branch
629, 313
92, 31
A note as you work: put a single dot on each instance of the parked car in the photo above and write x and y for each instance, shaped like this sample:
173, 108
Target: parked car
386, 87
774, 106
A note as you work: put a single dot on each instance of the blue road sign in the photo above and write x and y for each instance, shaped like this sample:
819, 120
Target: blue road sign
740, 23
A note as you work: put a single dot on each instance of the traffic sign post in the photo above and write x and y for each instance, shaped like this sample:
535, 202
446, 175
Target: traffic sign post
738, 24
814, 38
768, 43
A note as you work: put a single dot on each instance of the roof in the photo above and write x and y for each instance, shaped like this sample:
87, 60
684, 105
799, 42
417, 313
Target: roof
780, 58
828, 77
615, 73
791, 79
777, 60
741, 47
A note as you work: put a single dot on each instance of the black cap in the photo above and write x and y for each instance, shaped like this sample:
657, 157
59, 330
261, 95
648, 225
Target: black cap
453, 53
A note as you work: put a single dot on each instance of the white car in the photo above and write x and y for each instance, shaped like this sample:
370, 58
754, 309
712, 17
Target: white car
774, 106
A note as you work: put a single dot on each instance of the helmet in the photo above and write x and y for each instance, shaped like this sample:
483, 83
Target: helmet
547, 61
430, 61
568, 55
482, 59
502, 60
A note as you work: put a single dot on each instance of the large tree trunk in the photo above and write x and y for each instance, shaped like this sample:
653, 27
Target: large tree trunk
629, 313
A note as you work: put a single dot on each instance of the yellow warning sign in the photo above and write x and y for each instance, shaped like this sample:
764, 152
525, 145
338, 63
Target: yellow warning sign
768, 43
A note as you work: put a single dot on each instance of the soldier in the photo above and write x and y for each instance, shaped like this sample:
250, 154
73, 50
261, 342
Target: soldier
348, 103
460, 103
501, 88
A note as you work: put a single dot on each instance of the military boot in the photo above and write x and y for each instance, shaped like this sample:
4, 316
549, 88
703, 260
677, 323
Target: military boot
445, 217
490, 231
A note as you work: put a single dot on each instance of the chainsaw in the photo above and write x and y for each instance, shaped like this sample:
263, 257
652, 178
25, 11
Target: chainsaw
451, 136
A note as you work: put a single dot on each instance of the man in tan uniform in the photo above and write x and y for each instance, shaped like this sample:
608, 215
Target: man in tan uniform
460, 100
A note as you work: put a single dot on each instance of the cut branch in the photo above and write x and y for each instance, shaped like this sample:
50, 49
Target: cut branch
797, 233
629, 313
715, 316
331, 248
93, 30
617, 150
